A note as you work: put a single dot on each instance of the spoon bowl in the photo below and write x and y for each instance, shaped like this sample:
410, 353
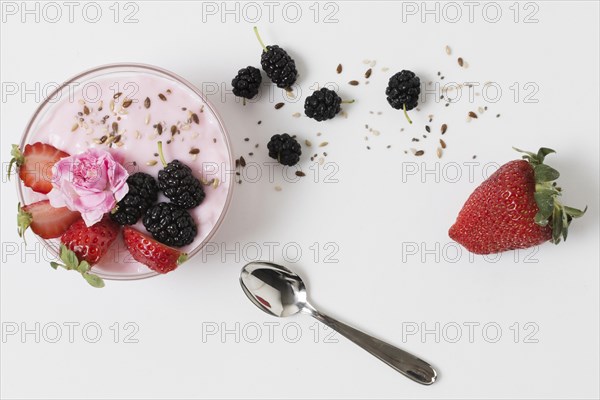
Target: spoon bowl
280, 292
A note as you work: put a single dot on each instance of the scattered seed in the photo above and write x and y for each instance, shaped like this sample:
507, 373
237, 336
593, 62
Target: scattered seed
86, 110
147, 120
147, 102
159, 129
74, 127
300, 173
323, 144
111, 105
460, 61
194, 150
419, 153
103, 139
442, 143
151, 163
259, 122
480, 110
242, 162
439, 152
373, 63
296, 115
339, 69
427, 128
279, 105
215, 183
307, 143
195, 118
474, 157
368, 73
497, 115
117, 95
448, 50
472, 114
353, 83
162, 97
115, 127
127, 103
173, 130
444, 128
384, 69
278, 188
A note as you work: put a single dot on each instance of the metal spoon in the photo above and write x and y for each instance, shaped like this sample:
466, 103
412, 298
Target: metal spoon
280, 292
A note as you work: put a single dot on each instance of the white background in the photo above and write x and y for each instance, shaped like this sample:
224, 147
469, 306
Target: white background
376, 213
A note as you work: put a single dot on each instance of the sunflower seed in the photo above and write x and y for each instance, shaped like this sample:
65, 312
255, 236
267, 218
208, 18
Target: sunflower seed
117, 95
442, 143
296, 115
444, 128
353, 83
111, 105
159, 129
368, 73
151, 163
147, 120
300, 173
419, 152
279, 105
461, 61
439, 152
74, 127
242, 162
472, 114
339, 69
162, 97
194, 150
323, 144
195, 118
147, 102
448, 50
307, 143
127, 103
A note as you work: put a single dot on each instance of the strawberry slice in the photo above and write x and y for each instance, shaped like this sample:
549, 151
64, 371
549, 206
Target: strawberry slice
155, 255
90, 243
35, 165
45, 221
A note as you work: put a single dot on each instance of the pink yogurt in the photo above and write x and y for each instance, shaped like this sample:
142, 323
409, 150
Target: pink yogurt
91, 109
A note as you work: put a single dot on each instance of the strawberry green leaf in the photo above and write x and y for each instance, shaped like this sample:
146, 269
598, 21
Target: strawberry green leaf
17, 158
545, 203
24, 219
543, 152
574, 212
182, 258
545, 173
68, 257
557, 225
55, 265
93, 280
84, 266
565, 225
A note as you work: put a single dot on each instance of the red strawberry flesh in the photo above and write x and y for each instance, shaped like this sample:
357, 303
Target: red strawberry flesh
90, 243
155, 255
46, 221
35, 169
499, 214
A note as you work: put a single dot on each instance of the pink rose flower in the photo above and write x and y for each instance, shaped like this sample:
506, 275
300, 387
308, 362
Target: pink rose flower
91, 182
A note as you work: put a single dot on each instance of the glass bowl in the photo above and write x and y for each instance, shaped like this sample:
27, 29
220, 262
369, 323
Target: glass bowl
134, 101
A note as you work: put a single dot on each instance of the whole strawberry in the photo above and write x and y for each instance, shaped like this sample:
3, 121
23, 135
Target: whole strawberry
515, 208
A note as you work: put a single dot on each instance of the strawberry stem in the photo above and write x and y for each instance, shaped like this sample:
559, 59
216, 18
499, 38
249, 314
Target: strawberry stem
348, 101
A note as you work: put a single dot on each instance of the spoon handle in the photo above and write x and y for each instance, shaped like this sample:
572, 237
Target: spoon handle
408, 365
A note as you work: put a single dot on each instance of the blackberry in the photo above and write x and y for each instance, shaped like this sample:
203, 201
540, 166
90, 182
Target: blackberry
284, 149
277, 64
178, 183
170, 224
323, 104
247, 82
143, 192
403, 91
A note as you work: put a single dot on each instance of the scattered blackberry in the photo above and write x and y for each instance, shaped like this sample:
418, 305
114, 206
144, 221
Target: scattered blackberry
323, 104
278, 65
247, 82
284, 149
178, 183
403, 91
143, 192
170, 224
